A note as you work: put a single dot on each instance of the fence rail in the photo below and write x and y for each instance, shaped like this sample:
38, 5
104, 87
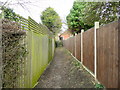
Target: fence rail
108, 58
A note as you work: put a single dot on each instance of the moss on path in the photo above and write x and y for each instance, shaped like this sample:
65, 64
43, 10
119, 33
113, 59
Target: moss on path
65, 72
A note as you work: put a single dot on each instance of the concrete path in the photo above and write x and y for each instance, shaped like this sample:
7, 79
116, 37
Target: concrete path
65, 72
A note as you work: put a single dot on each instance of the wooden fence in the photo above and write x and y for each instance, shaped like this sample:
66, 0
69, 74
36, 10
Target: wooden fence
78, 49
108, 58
39, 43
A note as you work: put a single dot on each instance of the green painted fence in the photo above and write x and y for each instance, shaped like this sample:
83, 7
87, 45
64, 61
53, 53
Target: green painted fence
40, 46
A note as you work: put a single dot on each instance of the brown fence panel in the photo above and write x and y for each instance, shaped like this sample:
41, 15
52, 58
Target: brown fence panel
107, 55
88, 49
70, 44
66, 44
78, 47
108, 58
73, 45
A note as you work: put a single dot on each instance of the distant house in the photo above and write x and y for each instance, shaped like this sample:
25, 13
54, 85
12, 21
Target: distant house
65, 35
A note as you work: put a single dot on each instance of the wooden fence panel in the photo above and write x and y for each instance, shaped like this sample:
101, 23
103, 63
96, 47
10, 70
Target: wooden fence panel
66, 44
88, 49
73, 45
108, 58
107, 55
78, 47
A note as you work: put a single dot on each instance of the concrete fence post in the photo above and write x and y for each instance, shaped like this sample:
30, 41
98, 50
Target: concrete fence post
82, 46
95, 48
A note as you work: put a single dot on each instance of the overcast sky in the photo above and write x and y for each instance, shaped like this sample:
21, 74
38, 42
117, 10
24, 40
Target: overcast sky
34, 9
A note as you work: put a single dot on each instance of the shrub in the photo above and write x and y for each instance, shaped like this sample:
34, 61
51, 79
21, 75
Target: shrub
14, 52
58, 43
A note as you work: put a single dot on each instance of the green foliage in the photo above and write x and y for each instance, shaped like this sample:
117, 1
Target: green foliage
9, 14
14, 53
102, 12
75, 19
77, 64
58, 43
17, 69
99, 86
84, 14
51, 19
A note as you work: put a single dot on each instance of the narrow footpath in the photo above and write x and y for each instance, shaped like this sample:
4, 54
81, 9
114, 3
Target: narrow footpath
65, 72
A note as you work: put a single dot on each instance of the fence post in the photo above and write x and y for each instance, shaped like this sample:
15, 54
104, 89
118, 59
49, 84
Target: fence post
1, 73
75, 44
82, 46
95, 48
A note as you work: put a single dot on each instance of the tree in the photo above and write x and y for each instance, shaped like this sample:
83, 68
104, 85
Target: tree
9, 14
75, 18
52, 20
84, 14
102, 12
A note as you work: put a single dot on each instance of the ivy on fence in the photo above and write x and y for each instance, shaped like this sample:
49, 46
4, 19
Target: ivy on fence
13, 52
25, 45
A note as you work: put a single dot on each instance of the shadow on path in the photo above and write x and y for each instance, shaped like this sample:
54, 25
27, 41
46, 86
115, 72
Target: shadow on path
65, 72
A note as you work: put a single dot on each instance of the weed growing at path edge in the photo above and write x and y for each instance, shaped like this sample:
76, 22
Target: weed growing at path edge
99, 86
